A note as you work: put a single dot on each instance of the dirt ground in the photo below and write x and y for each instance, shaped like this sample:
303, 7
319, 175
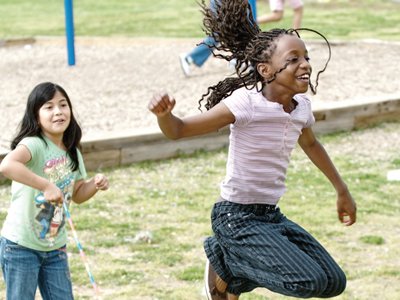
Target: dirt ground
114, 78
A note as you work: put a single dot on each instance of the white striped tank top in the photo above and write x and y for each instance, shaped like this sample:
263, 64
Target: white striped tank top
260, 144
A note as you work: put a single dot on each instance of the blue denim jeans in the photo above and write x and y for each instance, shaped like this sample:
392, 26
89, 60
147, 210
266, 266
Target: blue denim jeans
202, 51
25, 269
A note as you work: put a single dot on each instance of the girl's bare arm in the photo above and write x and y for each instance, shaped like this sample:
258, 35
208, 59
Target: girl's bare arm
86, 189
176, 128
14, 167
346, 206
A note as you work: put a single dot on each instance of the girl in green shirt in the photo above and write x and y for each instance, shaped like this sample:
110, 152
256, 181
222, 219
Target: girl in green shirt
46, 169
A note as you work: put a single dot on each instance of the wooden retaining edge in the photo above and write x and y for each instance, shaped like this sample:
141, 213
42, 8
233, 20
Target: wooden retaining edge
17, 42
148, 144
124, 148
356, 114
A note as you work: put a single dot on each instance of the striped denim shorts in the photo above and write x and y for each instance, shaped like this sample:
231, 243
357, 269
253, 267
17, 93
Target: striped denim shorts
255, 245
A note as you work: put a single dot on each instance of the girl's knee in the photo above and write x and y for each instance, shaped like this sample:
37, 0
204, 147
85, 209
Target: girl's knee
311, 285
325, 286
317, 285
336, 285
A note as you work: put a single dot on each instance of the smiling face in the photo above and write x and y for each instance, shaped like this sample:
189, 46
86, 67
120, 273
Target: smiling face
289, 70
54, 117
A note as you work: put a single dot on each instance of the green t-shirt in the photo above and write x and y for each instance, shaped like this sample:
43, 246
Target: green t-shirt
31, 221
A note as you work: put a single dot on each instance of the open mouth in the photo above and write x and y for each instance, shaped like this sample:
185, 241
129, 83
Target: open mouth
304, 77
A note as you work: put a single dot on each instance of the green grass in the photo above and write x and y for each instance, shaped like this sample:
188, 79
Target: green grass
169, 201
337, 19
372, 239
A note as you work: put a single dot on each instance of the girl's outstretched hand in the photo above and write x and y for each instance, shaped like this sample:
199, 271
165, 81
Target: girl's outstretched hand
101, 182
346, 208
161, 104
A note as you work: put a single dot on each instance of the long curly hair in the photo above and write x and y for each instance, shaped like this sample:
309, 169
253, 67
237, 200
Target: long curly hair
238, 37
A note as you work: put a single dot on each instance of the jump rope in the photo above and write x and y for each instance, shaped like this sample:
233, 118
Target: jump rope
40, 199
81, 252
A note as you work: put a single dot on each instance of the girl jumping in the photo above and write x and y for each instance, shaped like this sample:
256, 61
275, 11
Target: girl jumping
254, 244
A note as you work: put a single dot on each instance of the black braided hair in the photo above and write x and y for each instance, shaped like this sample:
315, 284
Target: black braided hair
238, 37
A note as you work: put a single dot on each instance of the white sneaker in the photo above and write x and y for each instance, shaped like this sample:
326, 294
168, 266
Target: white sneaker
184, 64
232, 65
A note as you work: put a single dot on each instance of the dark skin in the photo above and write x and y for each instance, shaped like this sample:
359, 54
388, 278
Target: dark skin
292, 80
290, 55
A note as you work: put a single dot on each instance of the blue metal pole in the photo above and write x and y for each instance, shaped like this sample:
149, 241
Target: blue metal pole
69, 31
253, 8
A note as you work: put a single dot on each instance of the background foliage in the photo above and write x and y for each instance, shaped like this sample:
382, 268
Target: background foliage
341, 19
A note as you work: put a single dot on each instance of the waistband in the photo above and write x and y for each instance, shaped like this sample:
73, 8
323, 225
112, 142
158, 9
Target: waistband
257, 209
